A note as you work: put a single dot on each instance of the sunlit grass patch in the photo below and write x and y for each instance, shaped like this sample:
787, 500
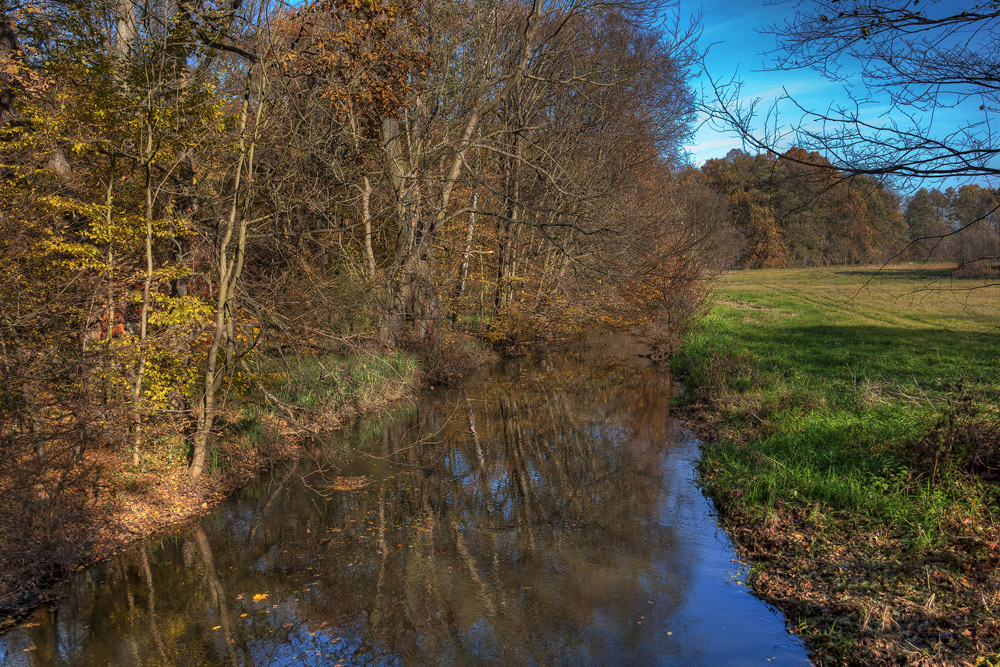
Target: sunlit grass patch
307, 393
857, 409
331, 381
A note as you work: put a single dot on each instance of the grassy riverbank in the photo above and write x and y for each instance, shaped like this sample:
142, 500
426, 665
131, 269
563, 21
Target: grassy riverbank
858, 456
109, 503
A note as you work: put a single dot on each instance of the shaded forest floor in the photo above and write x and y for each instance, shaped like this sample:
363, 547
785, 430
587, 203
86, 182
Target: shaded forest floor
857, 463
69, 520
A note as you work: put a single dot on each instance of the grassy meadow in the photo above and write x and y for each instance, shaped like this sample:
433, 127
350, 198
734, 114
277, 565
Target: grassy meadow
857, 454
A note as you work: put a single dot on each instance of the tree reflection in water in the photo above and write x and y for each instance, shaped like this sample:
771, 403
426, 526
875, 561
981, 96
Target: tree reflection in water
513, 519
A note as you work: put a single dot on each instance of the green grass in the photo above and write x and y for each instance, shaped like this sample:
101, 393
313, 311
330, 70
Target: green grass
306, 392
835, 381
847, 405
332, 381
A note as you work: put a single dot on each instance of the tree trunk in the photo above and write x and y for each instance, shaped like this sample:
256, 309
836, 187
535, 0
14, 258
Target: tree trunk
230, 270
140, 372
366, 216
463, 270
411, 294
8, 47
506, 269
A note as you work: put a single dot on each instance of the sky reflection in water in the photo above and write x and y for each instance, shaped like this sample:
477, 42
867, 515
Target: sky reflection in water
543, 513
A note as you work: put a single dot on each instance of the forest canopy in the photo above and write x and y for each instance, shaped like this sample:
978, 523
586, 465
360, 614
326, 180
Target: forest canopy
797, 209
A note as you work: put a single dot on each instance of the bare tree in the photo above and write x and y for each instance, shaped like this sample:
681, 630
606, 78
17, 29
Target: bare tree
915, 59
539, 93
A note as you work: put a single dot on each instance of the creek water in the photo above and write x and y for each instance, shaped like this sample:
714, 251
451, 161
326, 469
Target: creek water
542, 512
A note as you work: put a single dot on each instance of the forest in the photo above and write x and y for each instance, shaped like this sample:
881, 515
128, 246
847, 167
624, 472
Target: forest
190, 187
211, 205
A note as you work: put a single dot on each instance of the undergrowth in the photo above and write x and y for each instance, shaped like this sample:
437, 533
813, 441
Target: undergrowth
334, 381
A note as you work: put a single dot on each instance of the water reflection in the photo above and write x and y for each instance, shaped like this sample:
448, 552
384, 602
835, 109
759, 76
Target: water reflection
543, 513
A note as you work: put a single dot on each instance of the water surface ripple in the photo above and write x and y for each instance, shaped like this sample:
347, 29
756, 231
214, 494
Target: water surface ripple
541, 513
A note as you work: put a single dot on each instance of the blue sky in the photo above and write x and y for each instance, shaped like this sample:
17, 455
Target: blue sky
731, 31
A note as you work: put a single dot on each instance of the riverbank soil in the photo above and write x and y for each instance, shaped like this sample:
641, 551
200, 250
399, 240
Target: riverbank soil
71, 514
858, 455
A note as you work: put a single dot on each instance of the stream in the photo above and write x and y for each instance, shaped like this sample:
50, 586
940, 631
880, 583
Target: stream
541, 512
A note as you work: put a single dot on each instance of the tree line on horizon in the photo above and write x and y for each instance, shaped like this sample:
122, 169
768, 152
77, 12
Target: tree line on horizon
796, 209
